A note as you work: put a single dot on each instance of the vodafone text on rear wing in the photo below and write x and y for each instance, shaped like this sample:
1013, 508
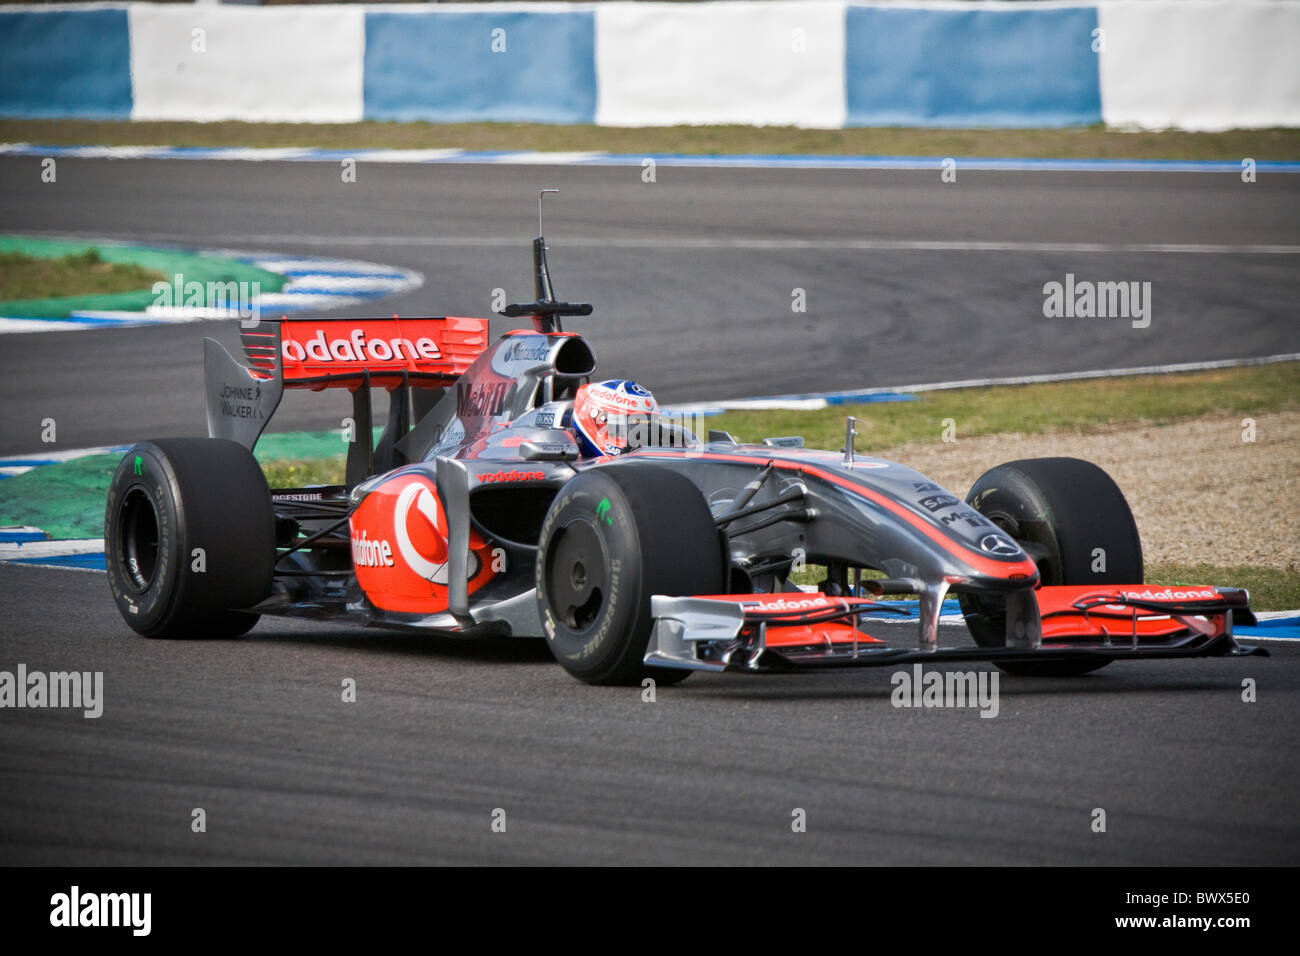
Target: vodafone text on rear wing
412, 358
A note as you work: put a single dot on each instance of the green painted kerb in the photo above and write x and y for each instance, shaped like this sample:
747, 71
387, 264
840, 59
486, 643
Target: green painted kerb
66, 500
194, 268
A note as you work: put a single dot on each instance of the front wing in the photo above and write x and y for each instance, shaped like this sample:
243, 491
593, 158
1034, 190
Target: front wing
783, 632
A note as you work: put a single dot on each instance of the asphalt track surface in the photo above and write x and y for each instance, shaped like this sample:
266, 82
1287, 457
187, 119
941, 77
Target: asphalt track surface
443, 733
254, 730
692, 276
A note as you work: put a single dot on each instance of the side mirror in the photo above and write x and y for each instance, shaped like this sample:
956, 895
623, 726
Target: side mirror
548, 451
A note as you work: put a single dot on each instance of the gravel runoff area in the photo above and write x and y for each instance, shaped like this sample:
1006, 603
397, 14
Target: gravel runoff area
1198, 491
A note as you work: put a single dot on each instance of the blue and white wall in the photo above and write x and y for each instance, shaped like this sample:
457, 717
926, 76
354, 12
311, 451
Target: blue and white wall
1194, 64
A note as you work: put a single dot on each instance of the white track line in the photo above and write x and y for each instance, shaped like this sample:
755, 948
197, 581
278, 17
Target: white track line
1095, 373
604, 158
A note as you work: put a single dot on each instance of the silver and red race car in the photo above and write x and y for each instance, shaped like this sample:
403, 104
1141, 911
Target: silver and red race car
496, 502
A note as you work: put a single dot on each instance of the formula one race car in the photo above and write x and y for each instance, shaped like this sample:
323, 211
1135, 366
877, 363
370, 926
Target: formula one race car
509, 494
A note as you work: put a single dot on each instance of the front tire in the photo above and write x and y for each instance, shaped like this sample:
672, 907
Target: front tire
189, 538
613, 537
1071, 517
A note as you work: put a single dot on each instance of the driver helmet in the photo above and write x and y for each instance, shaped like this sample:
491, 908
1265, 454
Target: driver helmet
612, 416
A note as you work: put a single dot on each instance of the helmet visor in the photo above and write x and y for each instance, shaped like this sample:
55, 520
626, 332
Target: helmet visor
632, 430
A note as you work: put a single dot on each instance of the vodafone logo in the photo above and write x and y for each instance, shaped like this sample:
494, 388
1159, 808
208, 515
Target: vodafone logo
421, 532
371, 554
1169, 594
355, 347
401, 550
785, 604
494, 477
630, 402
429, 559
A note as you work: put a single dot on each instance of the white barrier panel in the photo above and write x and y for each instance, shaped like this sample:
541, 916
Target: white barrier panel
1200, 66
760, 64
210, 62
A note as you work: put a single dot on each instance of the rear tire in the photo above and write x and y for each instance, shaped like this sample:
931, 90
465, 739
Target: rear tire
189, 538
1060, 510
613, 537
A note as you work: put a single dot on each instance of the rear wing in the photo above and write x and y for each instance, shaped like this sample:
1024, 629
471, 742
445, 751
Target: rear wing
356, 354
385, 353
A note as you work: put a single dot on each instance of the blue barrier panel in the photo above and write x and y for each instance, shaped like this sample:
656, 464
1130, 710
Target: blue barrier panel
443, 67
65, 63
915, 67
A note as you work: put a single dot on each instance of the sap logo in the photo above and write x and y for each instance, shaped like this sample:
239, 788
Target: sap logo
938, 502
493, 477
481, 401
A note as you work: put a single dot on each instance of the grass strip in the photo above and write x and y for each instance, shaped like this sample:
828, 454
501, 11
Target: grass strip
1088, 142
24, 276
1088, 406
